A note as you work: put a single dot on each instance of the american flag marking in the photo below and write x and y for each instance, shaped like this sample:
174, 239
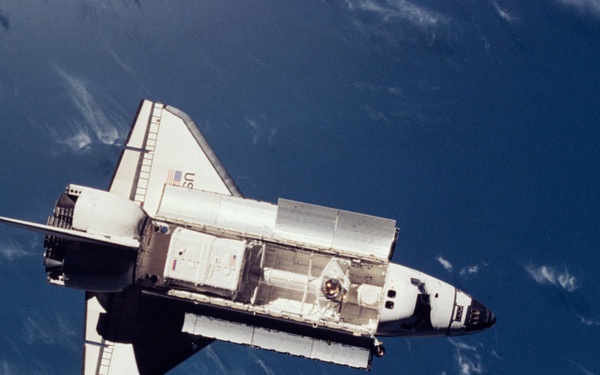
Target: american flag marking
232, 260
174, 177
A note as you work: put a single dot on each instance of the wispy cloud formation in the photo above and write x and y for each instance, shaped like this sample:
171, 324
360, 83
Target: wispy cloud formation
216, 359
584, 6
467, 357
446, 264
503, 13
494, 353
375, 114
37, 332
216, 69
390, 10
256, 59
94, 124
545, 275
399, 21
464, 271
469, 270
373, 111
50, 330
589, 322
584, 371
6, 368
258, 130
219, 359
11, 250
472, 270
12, 356
261, 363
118, 60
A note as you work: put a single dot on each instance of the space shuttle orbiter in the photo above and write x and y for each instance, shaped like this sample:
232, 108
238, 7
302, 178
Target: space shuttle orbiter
173, 257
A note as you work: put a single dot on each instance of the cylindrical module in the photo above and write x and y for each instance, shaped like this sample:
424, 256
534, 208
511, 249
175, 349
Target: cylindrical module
285, 279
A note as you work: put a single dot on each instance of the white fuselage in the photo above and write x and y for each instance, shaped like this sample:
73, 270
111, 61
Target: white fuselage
256, 273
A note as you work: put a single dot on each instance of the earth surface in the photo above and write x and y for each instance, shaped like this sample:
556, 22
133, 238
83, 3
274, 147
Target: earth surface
473, 123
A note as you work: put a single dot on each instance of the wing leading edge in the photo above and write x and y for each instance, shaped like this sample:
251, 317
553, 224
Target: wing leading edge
130, 332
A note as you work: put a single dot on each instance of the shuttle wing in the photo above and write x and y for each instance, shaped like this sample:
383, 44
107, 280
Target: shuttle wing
72, 235
164, 146
132, 333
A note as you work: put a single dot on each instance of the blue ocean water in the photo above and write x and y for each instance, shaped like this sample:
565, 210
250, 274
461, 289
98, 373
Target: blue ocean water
474, 124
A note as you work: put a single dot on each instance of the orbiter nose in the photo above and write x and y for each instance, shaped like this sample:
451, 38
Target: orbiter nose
479, 317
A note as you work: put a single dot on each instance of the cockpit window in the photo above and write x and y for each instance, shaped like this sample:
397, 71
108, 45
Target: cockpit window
391, 293
389, 304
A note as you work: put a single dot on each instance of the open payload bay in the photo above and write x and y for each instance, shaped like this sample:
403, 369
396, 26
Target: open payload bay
294, 261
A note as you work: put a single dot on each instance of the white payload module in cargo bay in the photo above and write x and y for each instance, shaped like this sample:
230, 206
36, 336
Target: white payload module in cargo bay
173, 257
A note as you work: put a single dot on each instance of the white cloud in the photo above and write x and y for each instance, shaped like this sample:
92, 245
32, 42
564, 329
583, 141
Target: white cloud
395, 91
216, 359
12, 356
255, 129
79, 141
589, 322
256, 359
464, 271
495, 354
256, 59
214, 67
446, 264
583, 6
503, 13
119, 61
6, 368
389, 10
10, 250
544, 275
375, 114
94, 124
462, 345
583, 369
467, 358
50, 330
258, 130
399, 22
37, 332
469, 270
